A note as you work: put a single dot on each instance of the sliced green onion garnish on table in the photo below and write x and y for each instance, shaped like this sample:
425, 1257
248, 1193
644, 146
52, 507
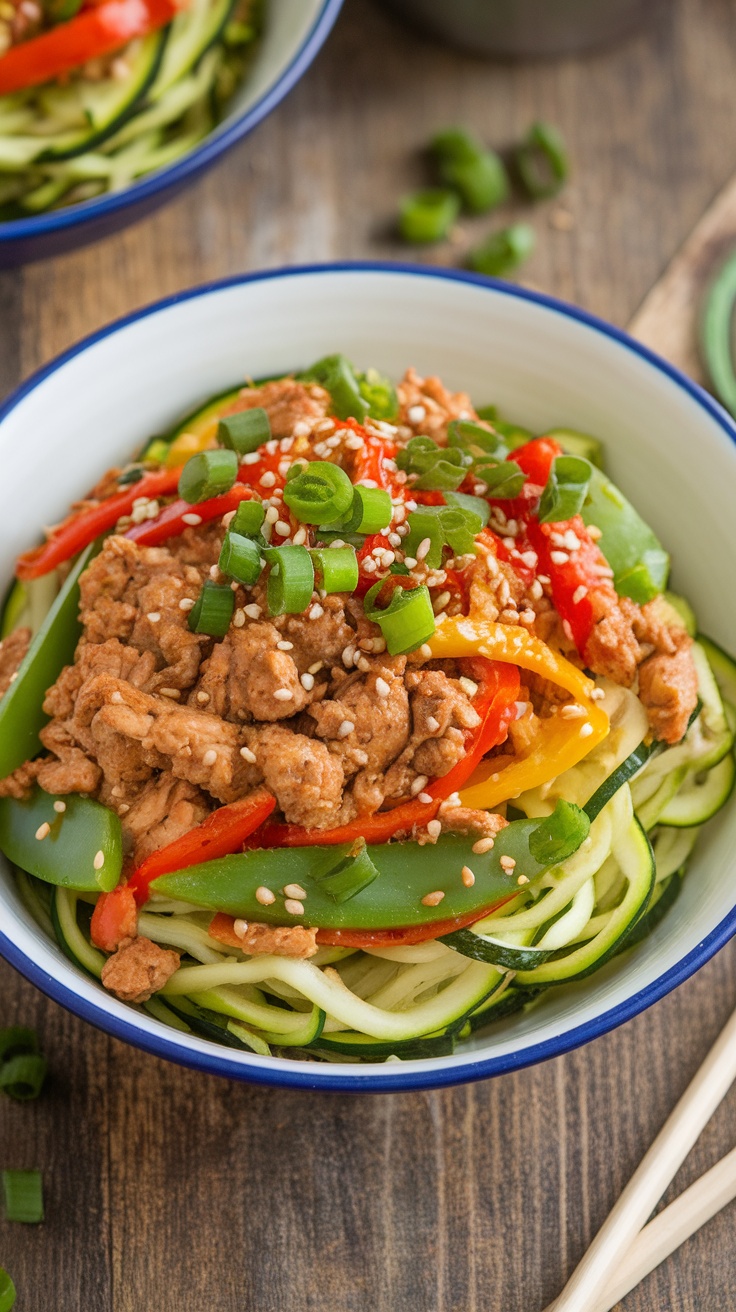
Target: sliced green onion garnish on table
477, 174
23, 1196
17, 1041
208, 474
428, 215
7, 1291
213, 609
503, 251
22, 1077
542, 161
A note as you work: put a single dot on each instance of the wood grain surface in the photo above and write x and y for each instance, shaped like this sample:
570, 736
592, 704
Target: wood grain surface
169, 1191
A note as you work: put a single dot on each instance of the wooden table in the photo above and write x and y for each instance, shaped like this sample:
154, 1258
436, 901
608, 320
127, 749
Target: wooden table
174, 1192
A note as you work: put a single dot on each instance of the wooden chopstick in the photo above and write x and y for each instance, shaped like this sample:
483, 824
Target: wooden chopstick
586, 1287
669, 1229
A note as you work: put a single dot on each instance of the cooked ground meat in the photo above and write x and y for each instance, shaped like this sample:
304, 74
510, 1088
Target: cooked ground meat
287, 403
426, 406
463, 820
305, 778
12, 650
165, 809
278, 941
139, 969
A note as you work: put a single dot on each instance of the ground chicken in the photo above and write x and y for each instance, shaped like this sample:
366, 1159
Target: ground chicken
12, 650
306, 779
286, 403
426, 406
277, 941
139, 969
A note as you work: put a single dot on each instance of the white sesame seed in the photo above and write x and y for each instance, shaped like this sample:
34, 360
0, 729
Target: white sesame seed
307, 682
467, 876
300, 429
116, 697
348, 654
283, 645
282, 528
240, 927
272, 515
346, 728
366, 482
382, 687
419, 784
559, 557
43, 830
424, 548
434, 828
483, 845
453, 800
507, 863
99, 860
433, 724
228, 518
248, 755
203, 698
379, 644
316, 612
154, 616
294, 907
468, 686
572, 711
191, 518
214, 572
394, 539
300, 537
123, 808
369, 566
316, 667
597, 695
416, 414
252, 458
578, 594
239, 618
410, 562
594, 532
432, 899
268, 479
440, 602
265, 896
586, 730
521, 709
209, 757
252, 611
425, 798
170, 692
425, 650
186, 603
60, 807
295, 890
283, 695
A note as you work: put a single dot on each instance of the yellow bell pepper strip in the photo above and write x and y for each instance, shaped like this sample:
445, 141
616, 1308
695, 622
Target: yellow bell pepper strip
562, 740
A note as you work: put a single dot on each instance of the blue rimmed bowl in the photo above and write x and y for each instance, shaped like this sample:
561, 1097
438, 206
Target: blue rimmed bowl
295, 30
545, 364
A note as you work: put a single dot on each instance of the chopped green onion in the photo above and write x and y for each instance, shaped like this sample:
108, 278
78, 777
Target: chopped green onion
434, 468
336, 374
716, 334
504, 481
380, 394
559, 834
208, 474
245, 431
22, 1077
350, 876
477, 173
406, 622
248, 519
17, 1041
335, 568
320, 494
504, 251
23, 1196
475, 439
542, 161
428, 215
456, 145
290, 579
129, 476
513, 434
451, 526
213, 609
370, 512
566, 489
476, 505
7, 1291
240, 558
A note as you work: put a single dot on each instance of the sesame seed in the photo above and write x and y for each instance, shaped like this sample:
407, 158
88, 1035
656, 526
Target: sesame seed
507, 863
43, 830
60, 807
597, 695
578, 594
483, 845
228, 518
467, 876
209, 757
283, 645
559, 557
283, 695
252, 611
369, 566
300, 429
419, 784
425, 798
348, 655
186, 603
425, 650
363, 665
116, 697
252, 458
265, 896
394, 539
586, 730
174, 693
337, 542
432, 724
529, 558
522, 879
191, 518
521, 709
410, 562
239, 618
268, 479
307, 682
214, 572
468, 686
99, 860
416, 414
282, 528
382, 688
424, 548
594, 532
294, 907
300, 537
346, 728
248, 755
440, 617
432, 899
316, 612
295, 890
272, 515
572, 711
154, 616
434, 828
453, 800
203, 698
316, 667
123, 809
240, 927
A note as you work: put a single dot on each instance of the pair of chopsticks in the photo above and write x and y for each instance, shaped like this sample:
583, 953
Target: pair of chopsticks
623, 1253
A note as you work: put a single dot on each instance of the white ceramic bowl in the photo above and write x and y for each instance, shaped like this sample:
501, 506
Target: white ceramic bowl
545, 364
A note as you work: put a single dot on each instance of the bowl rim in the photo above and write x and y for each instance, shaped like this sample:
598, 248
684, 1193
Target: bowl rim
195, 160
374, 1078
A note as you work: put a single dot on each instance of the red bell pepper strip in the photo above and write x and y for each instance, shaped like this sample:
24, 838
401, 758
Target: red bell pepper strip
223, 832
97, 31
76, 532
114, 918
498, 690
176, 517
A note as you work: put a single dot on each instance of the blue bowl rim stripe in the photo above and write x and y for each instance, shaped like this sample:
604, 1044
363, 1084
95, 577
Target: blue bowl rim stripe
406, 1077
197, 159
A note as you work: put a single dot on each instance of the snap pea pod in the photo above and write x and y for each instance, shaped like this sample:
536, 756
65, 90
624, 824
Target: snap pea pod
407, 875
639, 562
80, 847
21, 709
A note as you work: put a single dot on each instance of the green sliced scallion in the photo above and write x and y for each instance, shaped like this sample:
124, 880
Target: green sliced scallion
474, 438
335, 568
320, 494
208, 474
428, 215
290, 579
17, 1041
380, 394
248, 519
23, 1196
371, 511
406, 622
351, 875
503, 481
213, 609
476, 505
7, 1291
22, 1077
245, 431
453, 526
542, 161
503, 251
433, 468
241, 559
478, 174
566, 489
336, 374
